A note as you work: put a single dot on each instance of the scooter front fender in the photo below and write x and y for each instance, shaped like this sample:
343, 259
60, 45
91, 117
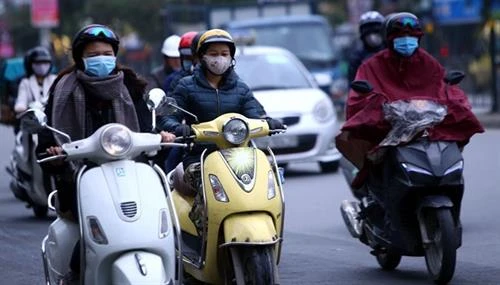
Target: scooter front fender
435, 201
139, 267
249, 228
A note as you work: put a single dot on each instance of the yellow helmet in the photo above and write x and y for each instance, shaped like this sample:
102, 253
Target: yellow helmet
215, 36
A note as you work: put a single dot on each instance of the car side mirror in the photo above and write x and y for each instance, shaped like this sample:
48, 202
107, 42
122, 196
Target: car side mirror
454, 77
361, 86
33, 121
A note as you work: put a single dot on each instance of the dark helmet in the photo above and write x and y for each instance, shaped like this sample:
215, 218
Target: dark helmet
194, 43
404, 23
215, 36
36, 54
91, 33
371, 21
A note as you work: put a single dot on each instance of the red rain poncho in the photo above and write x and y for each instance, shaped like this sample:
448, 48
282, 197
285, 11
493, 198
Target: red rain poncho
395, 78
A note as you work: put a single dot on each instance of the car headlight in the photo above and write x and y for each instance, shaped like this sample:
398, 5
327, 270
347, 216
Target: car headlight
116, 140
323, 111
235, 131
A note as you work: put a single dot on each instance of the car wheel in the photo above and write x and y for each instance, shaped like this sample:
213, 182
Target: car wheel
329, 167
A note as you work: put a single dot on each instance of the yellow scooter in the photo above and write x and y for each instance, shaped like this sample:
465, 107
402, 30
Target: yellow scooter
239, 241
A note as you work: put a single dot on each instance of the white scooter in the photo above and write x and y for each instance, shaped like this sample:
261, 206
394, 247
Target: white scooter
27, 180
127, 224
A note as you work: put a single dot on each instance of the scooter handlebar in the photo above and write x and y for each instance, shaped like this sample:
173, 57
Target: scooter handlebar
278, 131
173, 144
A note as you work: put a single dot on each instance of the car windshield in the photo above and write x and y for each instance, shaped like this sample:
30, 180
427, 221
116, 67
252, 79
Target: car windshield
308, 41
270, 71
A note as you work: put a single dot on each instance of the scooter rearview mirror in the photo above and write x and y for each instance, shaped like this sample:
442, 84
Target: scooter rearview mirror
361, 86
454, 77
155, 98
33, 121
170, 106
173, 107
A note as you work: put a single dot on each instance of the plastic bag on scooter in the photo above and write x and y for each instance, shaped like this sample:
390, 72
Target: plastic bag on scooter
409, 118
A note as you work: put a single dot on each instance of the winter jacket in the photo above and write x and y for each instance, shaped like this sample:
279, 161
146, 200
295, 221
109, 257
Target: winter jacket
136, 88
30, 91
359, 55
194, 94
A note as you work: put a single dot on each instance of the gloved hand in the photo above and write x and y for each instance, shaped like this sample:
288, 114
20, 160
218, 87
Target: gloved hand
183, 131
274, 124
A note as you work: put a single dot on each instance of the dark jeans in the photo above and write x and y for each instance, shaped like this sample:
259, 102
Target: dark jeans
174, 157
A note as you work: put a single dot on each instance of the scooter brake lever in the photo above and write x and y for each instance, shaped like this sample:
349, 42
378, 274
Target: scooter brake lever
51, 158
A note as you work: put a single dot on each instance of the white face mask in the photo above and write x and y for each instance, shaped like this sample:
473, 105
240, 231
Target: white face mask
217, 64
41, 69
374, 40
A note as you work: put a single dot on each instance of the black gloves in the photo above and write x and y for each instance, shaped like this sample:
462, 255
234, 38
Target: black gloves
182, 130
274, 124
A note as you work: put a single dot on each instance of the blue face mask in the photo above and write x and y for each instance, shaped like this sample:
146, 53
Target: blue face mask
405, 46
99, 66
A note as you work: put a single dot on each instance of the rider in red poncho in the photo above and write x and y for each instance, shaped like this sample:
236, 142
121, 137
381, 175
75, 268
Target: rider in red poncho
402, 71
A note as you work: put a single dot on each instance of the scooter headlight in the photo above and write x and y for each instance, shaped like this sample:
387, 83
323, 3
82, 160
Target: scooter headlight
116, 140
457, 166
414, 168
235, 131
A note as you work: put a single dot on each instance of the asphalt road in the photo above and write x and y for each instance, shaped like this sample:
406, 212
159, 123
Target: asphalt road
317, 247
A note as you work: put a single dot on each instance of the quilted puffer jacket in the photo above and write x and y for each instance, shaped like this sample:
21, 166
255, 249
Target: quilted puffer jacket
194, 94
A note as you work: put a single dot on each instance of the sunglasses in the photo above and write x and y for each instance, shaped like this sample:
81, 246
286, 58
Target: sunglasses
100, 31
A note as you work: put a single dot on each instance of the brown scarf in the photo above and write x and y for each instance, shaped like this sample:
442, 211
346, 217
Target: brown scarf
68, 110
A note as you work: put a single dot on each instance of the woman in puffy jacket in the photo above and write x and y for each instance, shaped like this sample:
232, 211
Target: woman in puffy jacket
214, 89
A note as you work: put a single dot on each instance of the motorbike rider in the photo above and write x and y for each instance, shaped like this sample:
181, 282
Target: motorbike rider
171, 62
187, 51
402, 71
188, 61
35, 86
372, 40
95, 91
213, 89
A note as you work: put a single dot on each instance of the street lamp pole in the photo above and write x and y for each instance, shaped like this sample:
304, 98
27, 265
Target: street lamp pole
493, 51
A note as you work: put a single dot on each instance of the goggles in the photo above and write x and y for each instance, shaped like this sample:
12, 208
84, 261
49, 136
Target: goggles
407, 22
97, 31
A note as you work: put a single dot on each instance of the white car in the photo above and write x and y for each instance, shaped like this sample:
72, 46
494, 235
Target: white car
288, 92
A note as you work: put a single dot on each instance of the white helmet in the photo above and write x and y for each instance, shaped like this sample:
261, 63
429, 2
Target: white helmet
171, 46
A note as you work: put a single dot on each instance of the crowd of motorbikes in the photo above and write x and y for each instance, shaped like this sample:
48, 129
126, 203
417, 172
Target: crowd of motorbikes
134, 219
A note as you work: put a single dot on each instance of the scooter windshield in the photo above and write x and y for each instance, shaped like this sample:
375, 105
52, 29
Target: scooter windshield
409, 118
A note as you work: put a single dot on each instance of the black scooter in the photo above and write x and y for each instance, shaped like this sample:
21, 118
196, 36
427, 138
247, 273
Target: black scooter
412, 206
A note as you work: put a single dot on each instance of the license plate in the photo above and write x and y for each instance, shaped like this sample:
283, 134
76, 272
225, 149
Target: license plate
278, 142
